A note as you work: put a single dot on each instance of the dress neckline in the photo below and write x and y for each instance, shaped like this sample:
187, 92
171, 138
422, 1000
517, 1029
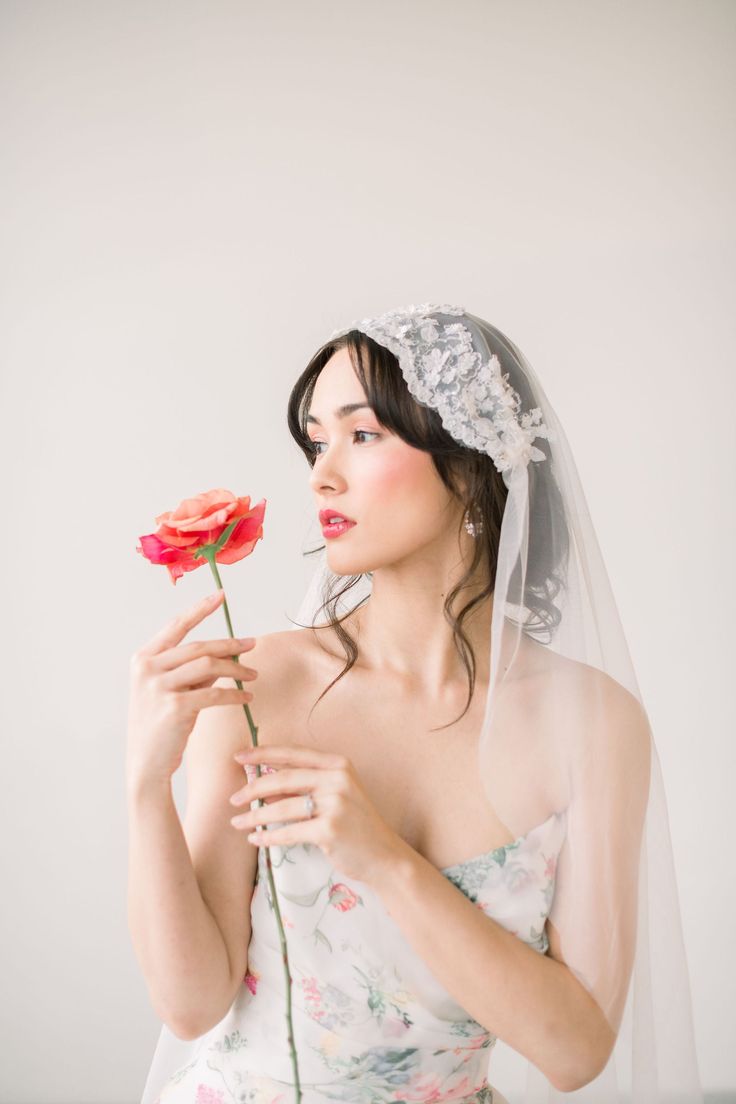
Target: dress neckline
496, 850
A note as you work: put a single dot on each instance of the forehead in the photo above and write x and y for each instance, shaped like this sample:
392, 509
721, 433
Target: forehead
336, 384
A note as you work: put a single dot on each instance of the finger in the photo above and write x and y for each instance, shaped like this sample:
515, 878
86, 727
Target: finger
291, 809
280, 754
290, 834
274, 837
282, 782
268, 785
210, 696
195, 649
204, 671
251, 772
177, 629
244, 794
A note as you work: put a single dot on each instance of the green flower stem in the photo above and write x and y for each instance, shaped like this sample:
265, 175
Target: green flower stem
209, 552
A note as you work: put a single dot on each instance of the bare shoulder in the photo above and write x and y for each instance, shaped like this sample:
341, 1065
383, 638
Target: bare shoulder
562, 678
283, 661
222, 730
617, 725
588, 724
610, 744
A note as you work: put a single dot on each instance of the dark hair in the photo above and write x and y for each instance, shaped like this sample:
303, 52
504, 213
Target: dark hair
484, 494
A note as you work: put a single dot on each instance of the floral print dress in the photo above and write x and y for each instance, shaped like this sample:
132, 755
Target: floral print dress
372, 1024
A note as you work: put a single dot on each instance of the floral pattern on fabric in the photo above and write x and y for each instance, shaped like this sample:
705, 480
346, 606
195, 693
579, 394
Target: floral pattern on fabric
372, 1024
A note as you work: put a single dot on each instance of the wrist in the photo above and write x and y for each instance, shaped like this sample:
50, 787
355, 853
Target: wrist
396, 866
140, 784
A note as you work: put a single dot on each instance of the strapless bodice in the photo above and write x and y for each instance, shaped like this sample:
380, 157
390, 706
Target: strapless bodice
372, 1024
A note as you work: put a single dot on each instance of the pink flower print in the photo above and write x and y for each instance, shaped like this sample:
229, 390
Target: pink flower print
460, 1091
421, 1086
208, 1095
477, 1042
471, 1044
311, 986
342, 897
431, 1091
251, 980
551, 867
313, 998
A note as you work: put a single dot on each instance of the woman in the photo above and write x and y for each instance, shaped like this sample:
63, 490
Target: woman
464, 807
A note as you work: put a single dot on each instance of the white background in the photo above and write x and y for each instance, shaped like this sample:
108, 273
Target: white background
194, 195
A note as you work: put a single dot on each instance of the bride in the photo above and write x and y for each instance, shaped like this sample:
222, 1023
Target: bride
456, 797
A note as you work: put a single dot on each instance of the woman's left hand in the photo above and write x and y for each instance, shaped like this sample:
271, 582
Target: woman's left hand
344, 822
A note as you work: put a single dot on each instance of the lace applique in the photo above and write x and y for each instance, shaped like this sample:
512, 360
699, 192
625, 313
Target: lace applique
443, 370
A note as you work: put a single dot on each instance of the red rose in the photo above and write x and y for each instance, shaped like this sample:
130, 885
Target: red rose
200, 521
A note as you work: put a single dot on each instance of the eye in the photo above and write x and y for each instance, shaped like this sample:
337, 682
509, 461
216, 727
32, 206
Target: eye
314, 445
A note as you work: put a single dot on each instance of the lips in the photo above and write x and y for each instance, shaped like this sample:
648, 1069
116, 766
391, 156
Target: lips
325, 515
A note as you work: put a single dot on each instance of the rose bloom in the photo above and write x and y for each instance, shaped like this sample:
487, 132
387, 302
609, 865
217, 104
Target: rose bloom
200, 521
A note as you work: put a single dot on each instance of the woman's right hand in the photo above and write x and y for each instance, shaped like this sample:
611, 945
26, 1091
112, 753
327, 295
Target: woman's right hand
170, 682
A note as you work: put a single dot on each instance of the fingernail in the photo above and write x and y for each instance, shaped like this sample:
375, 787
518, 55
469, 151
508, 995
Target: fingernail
214, 597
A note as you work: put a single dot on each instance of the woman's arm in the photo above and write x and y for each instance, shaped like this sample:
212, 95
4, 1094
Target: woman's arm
530, 1001
534, 1002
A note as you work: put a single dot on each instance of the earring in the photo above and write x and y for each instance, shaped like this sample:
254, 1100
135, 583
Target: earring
470, 527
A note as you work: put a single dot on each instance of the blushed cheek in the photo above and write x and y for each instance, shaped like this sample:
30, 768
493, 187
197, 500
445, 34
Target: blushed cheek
408, 473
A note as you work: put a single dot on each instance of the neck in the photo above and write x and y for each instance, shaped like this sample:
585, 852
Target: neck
404, 635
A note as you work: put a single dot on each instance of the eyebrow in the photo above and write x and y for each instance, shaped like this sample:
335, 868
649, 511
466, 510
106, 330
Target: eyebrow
342, 411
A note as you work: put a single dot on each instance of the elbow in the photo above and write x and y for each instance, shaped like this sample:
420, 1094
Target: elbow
184, 1033
188, 1031
589, 1064
178, 1026
205, 1020
568, 1083
182, 1030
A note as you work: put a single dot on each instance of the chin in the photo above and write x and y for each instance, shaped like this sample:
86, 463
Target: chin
347, 563
343, 566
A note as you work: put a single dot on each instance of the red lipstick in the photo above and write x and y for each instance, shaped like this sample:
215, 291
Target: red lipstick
337, 528
325, 516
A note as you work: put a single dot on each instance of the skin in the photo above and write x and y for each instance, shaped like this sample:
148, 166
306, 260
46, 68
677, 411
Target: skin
407, 535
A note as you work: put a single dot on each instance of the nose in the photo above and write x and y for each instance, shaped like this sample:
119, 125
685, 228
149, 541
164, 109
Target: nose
326, 473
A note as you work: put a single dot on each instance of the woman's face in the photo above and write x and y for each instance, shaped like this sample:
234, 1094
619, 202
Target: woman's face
365, 472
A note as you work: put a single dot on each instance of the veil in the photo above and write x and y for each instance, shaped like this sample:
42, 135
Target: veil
562, 705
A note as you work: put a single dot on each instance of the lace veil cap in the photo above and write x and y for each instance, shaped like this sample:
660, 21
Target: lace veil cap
564, 718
